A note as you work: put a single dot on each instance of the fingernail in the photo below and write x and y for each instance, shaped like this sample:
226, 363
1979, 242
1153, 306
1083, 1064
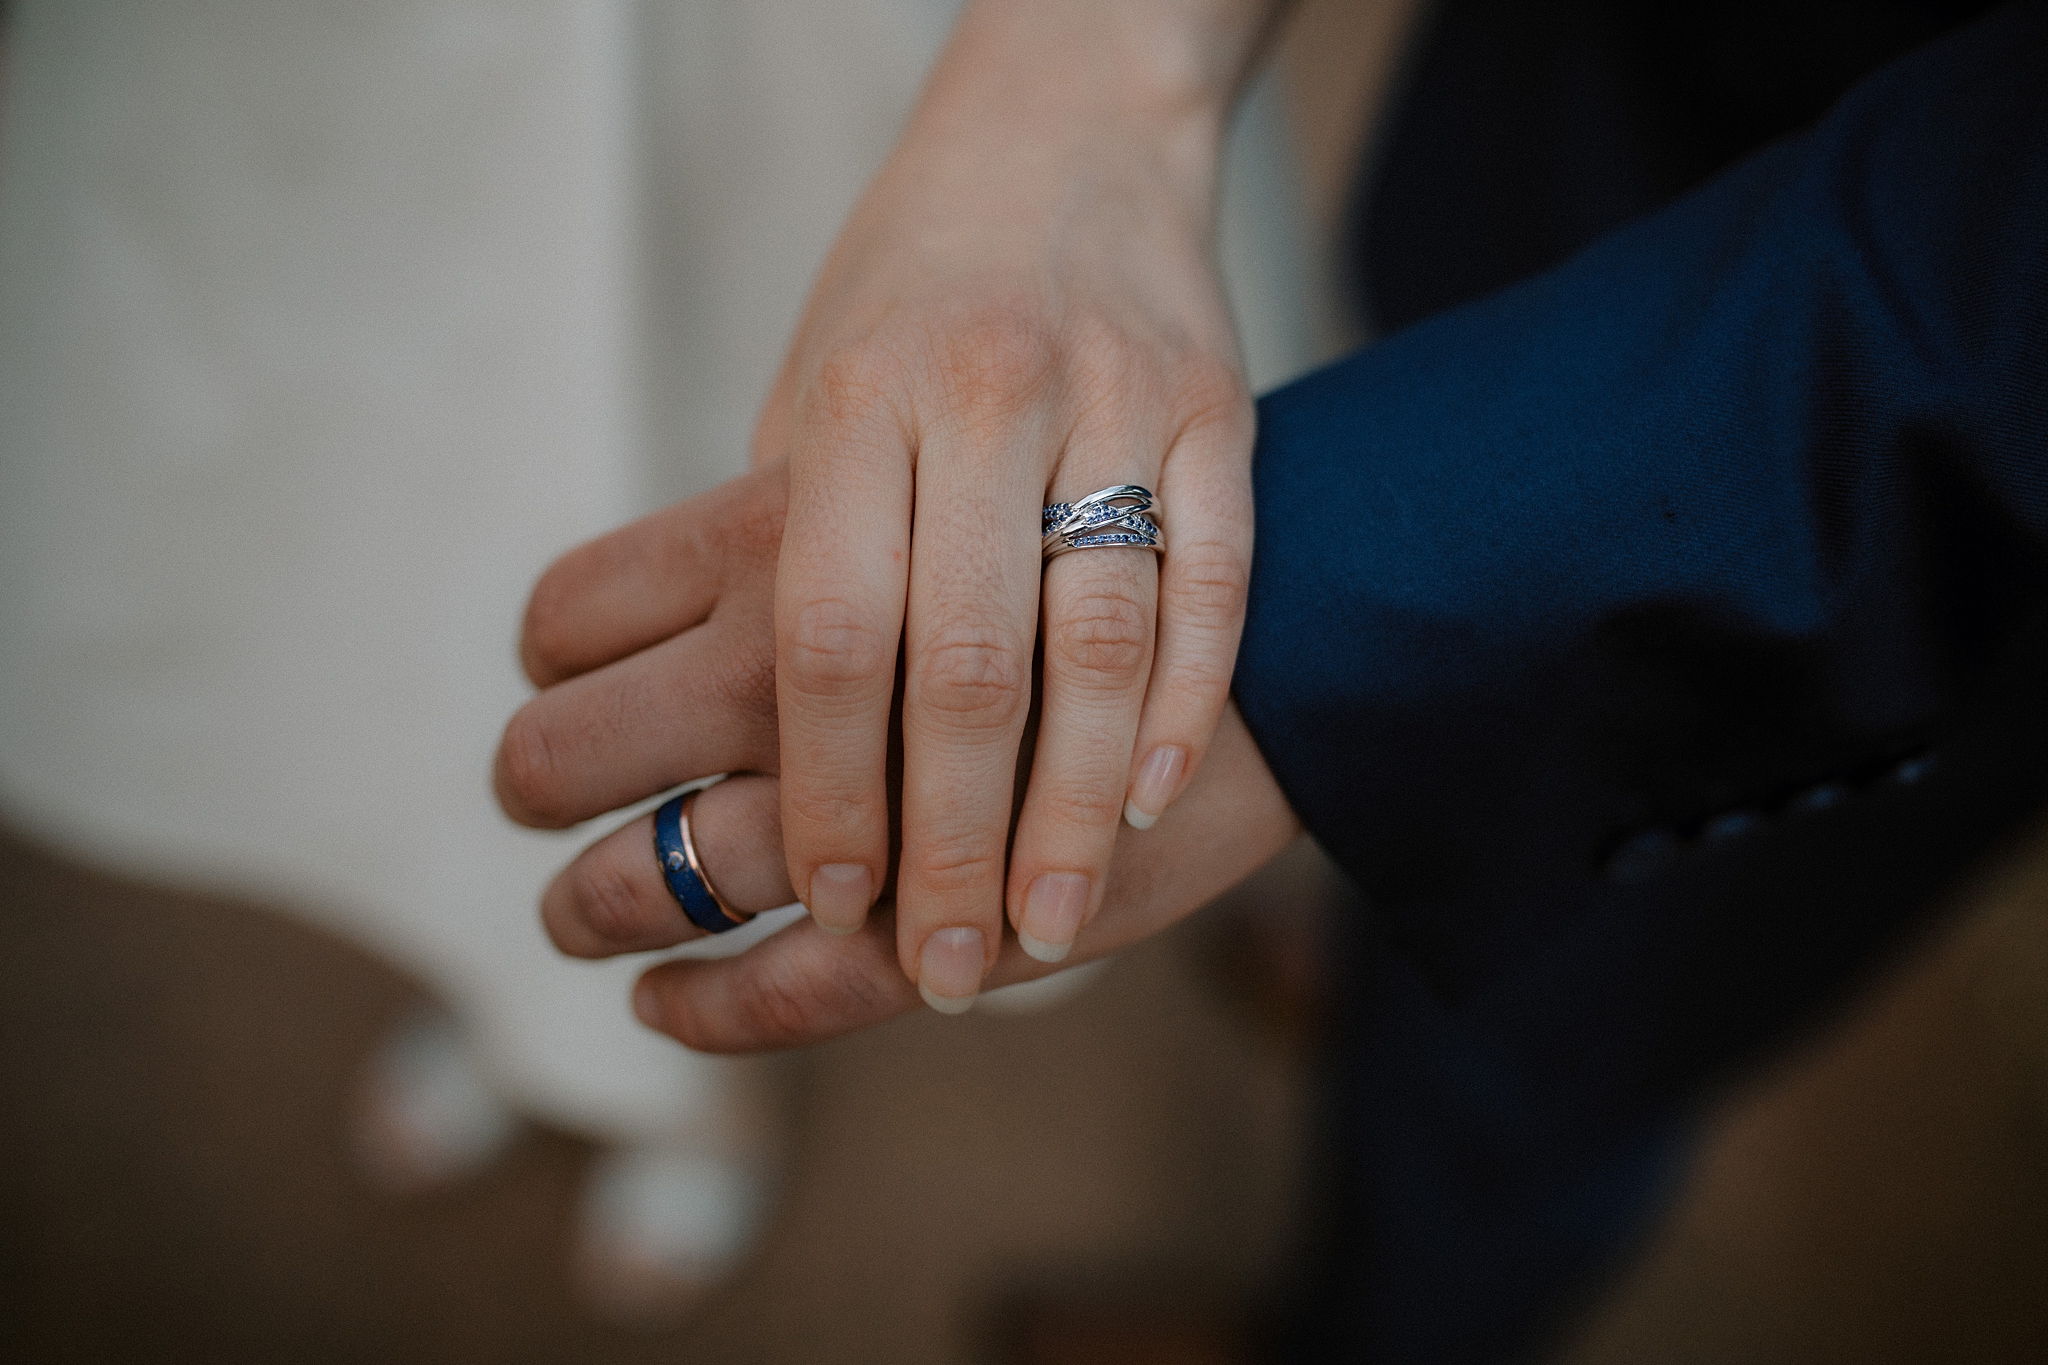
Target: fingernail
949, 969
1053, 909
839, 898
1154, 789
646, 1007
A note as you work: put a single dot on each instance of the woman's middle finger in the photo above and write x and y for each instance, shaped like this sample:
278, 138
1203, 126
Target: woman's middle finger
969, 630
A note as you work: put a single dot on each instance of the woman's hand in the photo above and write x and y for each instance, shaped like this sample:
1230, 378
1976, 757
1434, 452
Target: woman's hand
654, 648
1023, 308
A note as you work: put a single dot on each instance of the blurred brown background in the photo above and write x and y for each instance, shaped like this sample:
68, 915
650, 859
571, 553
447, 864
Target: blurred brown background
173, 1184
1121, 1179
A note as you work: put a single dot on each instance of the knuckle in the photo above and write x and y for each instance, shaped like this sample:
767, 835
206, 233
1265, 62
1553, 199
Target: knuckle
790, 1002
784, 1005
962, 863
526, 776
831, 646
1213, 392
1199, 681
782, 1001
751, 533
742, 685
994, 356
840, 808
1206, 583
606, 902
853, 386
1103, 637
1103, 359
973, 681
1091, 805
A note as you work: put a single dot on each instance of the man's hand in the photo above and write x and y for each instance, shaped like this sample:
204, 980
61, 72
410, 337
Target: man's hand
654, 648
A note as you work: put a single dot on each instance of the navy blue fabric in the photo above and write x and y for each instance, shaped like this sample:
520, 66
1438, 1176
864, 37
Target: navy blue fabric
1652, 641
1526, 130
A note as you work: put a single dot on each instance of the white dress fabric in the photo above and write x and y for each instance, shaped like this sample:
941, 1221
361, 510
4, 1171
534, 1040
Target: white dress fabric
323, 327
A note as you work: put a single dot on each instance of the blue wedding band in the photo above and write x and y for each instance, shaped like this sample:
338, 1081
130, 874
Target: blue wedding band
676, 850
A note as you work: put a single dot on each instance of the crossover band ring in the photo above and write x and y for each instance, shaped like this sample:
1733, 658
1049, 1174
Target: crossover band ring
1110, 517
676, 850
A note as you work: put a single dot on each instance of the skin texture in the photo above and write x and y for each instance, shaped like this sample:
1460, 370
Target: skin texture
1024, 307
654, 649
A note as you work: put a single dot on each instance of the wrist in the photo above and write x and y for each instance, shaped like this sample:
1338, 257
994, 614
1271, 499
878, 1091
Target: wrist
1050, 80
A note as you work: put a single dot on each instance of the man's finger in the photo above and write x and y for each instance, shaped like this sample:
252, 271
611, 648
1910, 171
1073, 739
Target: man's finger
648, 580
695, 705
615, 899
801, 986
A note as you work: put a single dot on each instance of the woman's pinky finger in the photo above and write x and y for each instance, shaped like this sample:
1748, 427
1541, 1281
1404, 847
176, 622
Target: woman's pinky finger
1202, 582
616, 897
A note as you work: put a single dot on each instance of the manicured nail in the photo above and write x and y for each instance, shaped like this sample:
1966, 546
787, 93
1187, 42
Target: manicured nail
1053, 909
646, 1005
1154, 789
839, 898
949, 969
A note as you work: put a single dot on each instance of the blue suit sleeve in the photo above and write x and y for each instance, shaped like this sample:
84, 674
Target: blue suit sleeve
1744, 501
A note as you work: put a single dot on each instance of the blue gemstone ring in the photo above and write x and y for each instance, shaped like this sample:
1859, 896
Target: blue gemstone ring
1110, 517
680, 868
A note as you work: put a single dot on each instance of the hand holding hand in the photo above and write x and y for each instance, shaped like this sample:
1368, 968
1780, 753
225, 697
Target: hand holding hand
667, 620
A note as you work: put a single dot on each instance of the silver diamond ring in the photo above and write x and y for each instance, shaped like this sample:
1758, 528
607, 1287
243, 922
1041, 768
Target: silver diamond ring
1115, 516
